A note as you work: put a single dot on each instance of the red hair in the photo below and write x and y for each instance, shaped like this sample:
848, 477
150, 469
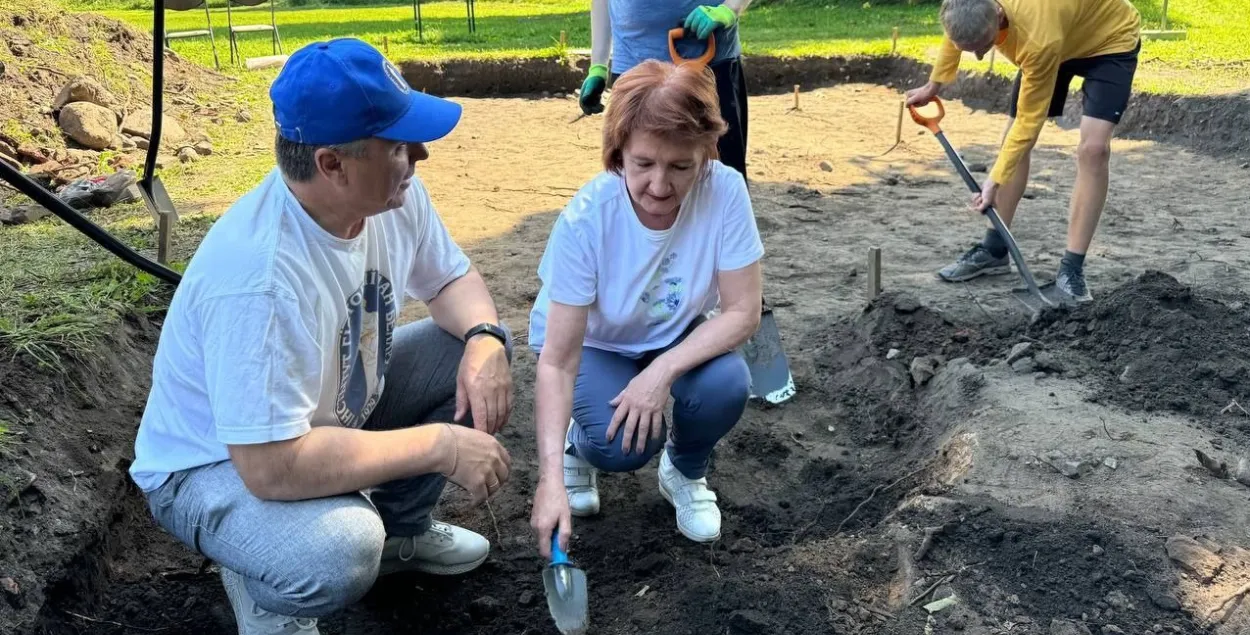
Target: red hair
676, 102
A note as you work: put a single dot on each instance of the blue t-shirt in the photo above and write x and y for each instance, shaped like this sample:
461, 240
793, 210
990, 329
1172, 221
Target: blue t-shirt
640, 32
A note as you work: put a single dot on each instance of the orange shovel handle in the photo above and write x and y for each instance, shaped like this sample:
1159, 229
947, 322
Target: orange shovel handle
932, 123
702, 60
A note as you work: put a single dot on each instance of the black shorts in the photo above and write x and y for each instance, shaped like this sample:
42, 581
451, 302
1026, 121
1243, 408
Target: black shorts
1108, 84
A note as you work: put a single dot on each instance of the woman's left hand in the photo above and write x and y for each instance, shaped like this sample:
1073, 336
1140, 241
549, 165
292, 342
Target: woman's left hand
640, 409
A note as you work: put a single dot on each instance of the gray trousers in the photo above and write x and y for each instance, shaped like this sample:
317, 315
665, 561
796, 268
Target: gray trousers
312, 557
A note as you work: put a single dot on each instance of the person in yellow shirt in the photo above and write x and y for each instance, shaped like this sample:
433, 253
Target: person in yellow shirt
1051, 42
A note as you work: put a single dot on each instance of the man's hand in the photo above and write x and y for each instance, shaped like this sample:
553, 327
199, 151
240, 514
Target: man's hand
474, 460
592, 90
551, 514
923, 95
707, 18
484, 384
989, 190
640, 408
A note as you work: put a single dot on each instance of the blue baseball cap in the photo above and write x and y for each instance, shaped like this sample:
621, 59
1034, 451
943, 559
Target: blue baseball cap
344, 90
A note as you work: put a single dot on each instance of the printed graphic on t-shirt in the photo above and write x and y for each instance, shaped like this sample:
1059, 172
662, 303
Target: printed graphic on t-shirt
664, 293
365, 348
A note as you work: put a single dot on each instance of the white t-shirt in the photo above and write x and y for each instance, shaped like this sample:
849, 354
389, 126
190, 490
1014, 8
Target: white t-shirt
278, 326
644, 286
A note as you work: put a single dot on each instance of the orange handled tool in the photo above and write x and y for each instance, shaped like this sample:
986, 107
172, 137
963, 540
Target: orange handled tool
934, 125
702, 60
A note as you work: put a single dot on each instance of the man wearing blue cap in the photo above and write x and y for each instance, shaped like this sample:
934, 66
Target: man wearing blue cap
293, 433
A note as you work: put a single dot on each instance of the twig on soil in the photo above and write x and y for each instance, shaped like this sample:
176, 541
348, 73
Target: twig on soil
942, 580
711, 559
1227, 409
925, 545
977, 301
1034, 559
876, 611
1236, 595
498, 536
1104, 429
119, 624
799, 443
875, 491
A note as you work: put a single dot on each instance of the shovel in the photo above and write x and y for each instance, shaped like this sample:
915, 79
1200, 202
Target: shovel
566, 592
770, 371
1031, 296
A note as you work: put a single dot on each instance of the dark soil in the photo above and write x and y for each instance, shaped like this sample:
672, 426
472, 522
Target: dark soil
1157, 344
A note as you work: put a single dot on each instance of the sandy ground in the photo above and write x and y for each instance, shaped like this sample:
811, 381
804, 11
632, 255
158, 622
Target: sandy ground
826, 497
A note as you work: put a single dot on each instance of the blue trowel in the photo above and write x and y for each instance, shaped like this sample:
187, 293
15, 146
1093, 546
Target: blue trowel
566, 592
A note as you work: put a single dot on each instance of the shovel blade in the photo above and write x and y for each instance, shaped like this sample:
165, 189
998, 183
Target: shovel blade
567, 599
770, 371
1051, 297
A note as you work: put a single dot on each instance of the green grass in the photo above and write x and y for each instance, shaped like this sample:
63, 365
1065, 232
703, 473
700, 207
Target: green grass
1214, 58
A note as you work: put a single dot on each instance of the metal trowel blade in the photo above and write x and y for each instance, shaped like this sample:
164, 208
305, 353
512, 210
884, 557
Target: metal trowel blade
567, 598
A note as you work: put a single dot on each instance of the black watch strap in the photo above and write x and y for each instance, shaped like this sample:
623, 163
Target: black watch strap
489, 329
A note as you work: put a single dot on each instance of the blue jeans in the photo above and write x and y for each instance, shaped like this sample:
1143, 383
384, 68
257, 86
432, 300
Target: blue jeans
312, 557
708, 401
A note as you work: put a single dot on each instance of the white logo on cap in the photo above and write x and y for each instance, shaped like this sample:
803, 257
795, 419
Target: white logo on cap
395, 76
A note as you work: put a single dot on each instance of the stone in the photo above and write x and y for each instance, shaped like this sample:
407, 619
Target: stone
749, 622
923, 369
1111, 462
526, 599
1066, 466
188, 155
1023, 349
826, 166
12, 592
892, 353
1067, 627
978, 167
86, 89
1045, 360
743, 545
139, 124
243, 116
127, 143
1165, 600
89, 124
1112, 629
1097, 551
1194, 558
1118, 601
22, 214
485, 606
906, 304
1024, 366
203, 148
141, 143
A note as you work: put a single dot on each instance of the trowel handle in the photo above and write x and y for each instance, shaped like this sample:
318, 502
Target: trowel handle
558, 556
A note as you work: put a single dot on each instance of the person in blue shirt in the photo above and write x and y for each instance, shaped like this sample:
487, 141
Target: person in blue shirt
632, 31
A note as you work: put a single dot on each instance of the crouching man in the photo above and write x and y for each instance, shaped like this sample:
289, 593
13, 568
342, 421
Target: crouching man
293, 433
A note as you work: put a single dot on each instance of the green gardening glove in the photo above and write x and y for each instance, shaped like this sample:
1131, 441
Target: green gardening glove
705, 19
592, 90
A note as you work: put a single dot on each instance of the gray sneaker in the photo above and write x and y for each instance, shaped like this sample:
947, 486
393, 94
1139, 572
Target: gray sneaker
974, 263
1072, 284
253, 620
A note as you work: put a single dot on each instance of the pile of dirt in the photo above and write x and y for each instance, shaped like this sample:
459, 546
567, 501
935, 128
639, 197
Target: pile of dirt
75, 89
1157, 344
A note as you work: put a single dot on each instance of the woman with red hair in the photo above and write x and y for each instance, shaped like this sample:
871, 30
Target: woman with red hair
633, 265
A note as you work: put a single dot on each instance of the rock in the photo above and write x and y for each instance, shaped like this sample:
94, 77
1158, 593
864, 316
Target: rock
1024, 365
1023, 349
141, 143
1194, 558
748, 622
86, 89
243, 116
892, 353
89, 124
1112, 629
826, 166
923, 369
1118, 601
188, 155
526, 599
978, 167
1111, 462
906, 304
1045, 360
1245, 166
139, 124
743, 545
22, 214
838, 605
1068, 467
12, 592
1067, 627
485, 606
127, 143
1097, 551
1165, 600
203, 148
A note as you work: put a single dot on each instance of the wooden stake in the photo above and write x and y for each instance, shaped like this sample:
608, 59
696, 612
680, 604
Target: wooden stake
894, 42
874, 273
165, 238
386, 45
992, 60
796, 96
898, 130
564, 39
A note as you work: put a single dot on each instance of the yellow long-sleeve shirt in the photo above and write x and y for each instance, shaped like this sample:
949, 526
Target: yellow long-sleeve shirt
1042, 34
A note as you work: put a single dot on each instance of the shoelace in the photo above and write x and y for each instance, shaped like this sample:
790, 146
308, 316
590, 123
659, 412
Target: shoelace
442, 532
968, 255
1076, 282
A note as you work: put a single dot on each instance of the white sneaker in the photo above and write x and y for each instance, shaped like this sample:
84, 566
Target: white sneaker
253, 620
581, 482
442, 550
698, 517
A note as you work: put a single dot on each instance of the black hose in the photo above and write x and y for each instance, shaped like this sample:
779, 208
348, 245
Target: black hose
158, 90
42, 196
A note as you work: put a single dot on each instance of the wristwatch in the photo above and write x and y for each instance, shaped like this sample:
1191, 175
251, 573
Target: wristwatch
489, 329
